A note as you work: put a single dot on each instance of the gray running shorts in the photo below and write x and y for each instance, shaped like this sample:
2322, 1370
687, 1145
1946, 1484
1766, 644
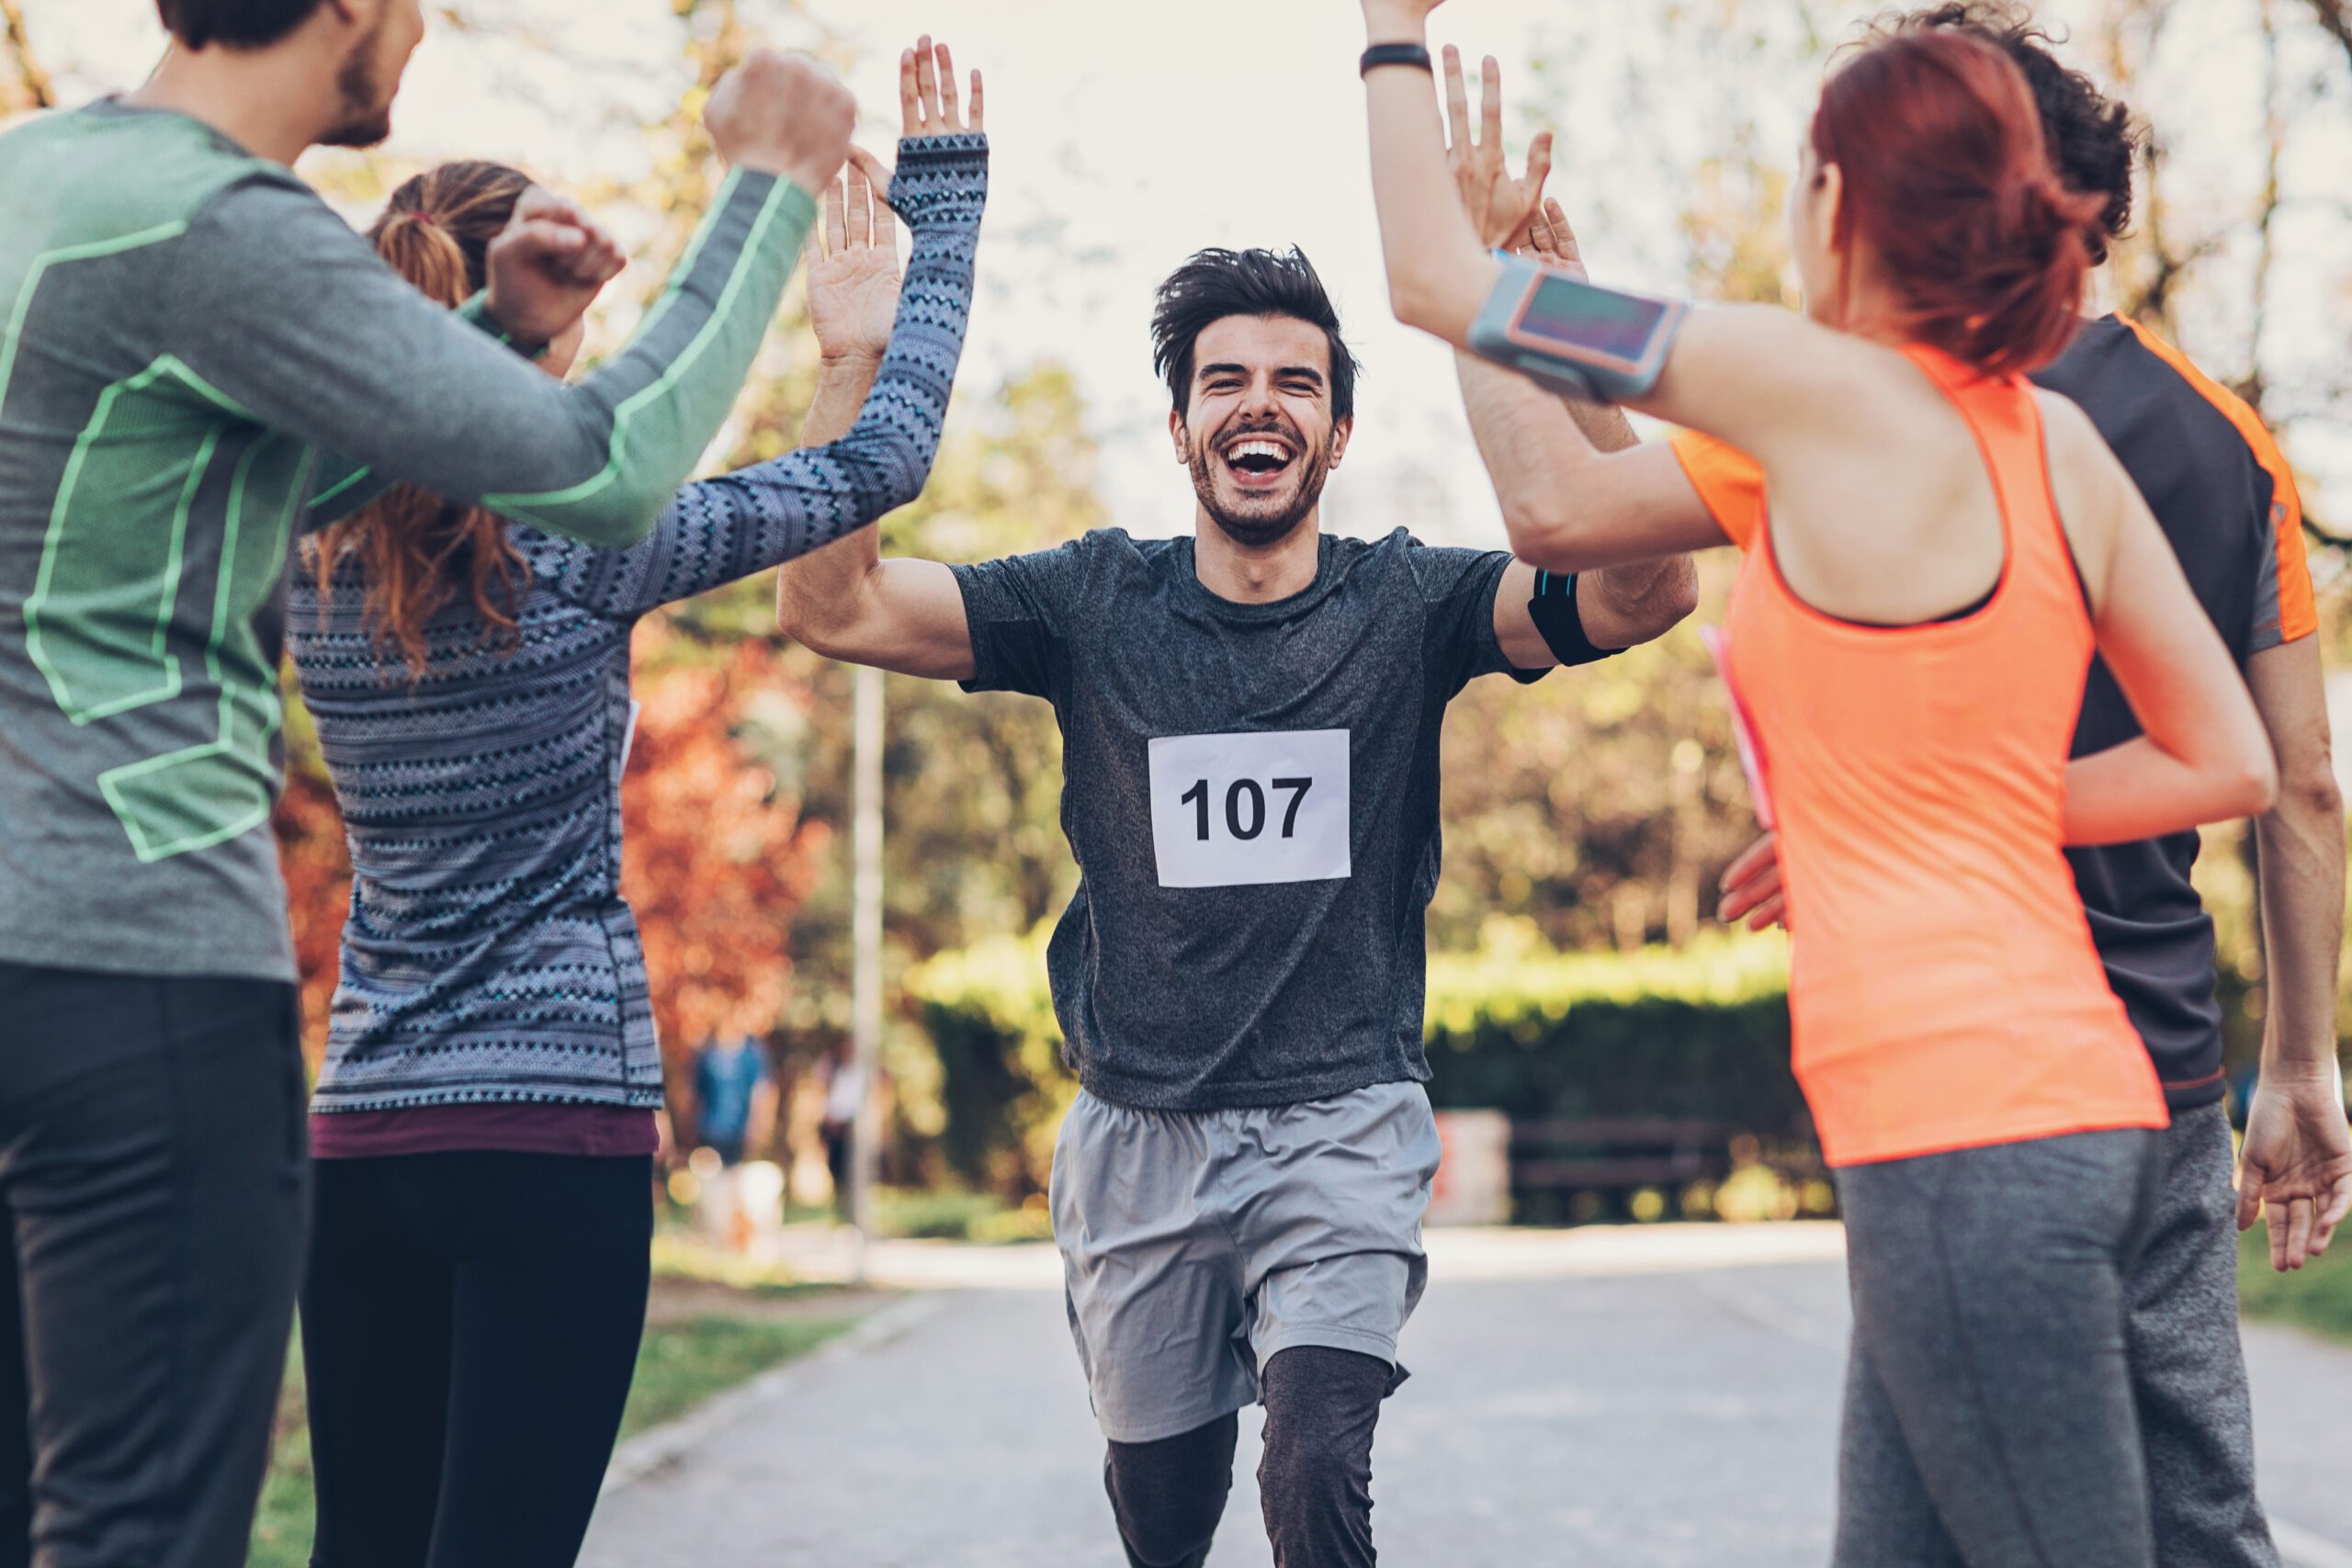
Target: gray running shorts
1197, 1245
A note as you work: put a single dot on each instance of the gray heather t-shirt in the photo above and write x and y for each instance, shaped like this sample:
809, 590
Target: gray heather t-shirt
1251, 792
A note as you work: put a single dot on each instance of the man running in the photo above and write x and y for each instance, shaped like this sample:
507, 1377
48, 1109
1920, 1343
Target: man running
1251, 719
187, 330
2226, 501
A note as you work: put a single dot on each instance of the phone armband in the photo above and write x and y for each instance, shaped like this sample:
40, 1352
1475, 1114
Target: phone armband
1580, 340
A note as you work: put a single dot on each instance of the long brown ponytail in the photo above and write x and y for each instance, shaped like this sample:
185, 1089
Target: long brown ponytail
415, 548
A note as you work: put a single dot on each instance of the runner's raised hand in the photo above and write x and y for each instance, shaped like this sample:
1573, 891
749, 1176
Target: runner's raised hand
927, 100
783, 115
1552, 241
1500, 205
853, 261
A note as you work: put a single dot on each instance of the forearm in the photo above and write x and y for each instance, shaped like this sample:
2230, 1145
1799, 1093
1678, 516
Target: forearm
313, 335
822, 598
1571, 506
670, 390
340, 487
2301, 841
1439, 275
1537, 457
1624, 605
843, 386
867, 449
2139, 790
1533, 447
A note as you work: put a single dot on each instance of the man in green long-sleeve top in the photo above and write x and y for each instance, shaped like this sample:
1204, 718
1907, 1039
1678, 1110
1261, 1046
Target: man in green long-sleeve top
198, 359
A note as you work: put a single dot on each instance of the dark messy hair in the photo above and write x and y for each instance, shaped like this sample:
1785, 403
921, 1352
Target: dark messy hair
1216, 283
239, 23
2093, 143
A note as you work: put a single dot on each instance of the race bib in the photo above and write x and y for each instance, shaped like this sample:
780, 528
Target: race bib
1230, 810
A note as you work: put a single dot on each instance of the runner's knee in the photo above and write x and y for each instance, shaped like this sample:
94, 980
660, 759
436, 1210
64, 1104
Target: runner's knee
1316, 1478
1168, 1495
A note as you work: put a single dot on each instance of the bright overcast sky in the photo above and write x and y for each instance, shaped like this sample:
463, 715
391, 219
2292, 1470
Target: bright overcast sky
1126, 135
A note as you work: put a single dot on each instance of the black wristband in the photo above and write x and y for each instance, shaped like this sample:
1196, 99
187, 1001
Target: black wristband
1379, 55
1553, 610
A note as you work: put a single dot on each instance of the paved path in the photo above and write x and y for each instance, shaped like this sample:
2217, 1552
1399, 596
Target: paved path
1634, 1398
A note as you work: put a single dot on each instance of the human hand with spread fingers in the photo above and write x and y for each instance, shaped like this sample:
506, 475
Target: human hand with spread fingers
1500, 205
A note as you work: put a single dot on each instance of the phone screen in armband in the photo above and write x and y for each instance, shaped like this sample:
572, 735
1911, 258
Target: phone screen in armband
1580, 339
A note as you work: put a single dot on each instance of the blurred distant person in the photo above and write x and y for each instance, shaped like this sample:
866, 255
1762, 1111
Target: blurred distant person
735, 1097
202, 358
844, 1081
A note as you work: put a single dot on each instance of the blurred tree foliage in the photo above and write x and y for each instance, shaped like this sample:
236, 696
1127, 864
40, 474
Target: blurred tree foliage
1594, 808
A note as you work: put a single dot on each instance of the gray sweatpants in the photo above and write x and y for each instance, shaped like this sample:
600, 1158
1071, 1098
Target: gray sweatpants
1989, 1407
2186, 1367
2188, 1362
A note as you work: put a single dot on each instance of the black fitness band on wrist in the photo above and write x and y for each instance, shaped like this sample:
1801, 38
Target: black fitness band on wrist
1379, 55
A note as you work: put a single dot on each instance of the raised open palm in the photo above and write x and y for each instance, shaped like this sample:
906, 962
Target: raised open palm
853, 265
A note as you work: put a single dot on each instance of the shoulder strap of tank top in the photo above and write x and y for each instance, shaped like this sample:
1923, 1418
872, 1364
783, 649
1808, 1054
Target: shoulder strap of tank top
2006, 422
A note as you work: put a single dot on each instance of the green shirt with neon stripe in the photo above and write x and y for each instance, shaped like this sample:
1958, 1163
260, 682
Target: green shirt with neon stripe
199, 360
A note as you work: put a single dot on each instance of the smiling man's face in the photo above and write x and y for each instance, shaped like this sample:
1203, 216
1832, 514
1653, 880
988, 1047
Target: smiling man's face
1257, 430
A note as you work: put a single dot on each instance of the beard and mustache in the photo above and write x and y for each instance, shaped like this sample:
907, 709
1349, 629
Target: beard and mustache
367, 101
1260, 518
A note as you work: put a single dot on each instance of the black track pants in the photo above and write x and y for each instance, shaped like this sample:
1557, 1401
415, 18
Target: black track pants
1314, 1482
152, 1161
469, 1327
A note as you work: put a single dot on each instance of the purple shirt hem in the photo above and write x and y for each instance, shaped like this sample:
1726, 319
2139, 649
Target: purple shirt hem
521, 1128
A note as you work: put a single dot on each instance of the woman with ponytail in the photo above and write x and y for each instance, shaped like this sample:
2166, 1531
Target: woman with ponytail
1944, 550
483, 1124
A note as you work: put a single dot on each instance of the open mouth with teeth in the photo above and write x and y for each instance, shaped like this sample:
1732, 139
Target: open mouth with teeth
1257, 462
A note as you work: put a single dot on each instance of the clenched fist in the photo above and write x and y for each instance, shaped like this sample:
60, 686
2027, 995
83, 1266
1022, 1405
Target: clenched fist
546, 267
783, 115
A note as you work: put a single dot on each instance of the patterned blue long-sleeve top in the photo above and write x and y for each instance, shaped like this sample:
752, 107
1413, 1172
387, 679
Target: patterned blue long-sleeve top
489, 960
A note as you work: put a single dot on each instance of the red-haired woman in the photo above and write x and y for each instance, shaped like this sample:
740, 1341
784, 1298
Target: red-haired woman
1944, 550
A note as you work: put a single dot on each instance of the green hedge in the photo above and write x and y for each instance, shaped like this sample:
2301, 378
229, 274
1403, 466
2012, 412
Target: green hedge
1002, 1086
1700, 1031
1516, 1026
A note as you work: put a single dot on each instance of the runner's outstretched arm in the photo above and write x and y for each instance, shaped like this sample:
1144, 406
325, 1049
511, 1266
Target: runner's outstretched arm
1568, 506
843, 601
730, 527
2296, 1165
281, 314
1618, 605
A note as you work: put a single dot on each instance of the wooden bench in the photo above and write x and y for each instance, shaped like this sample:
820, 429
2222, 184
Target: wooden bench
1555, 1160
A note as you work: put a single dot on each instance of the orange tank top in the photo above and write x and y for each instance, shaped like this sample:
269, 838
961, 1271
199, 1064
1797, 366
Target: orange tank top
1944, 992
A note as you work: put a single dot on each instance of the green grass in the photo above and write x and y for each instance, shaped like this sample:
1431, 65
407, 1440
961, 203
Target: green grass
680, 1365
2317, 1297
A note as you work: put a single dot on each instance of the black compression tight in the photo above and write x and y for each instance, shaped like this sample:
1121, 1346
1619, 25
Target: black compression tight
469, 1327
1315, 1480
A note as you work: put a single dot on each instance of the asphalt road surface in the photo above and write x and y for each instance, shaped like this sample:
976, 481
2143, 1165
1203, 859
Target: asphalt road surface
1650, 1398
